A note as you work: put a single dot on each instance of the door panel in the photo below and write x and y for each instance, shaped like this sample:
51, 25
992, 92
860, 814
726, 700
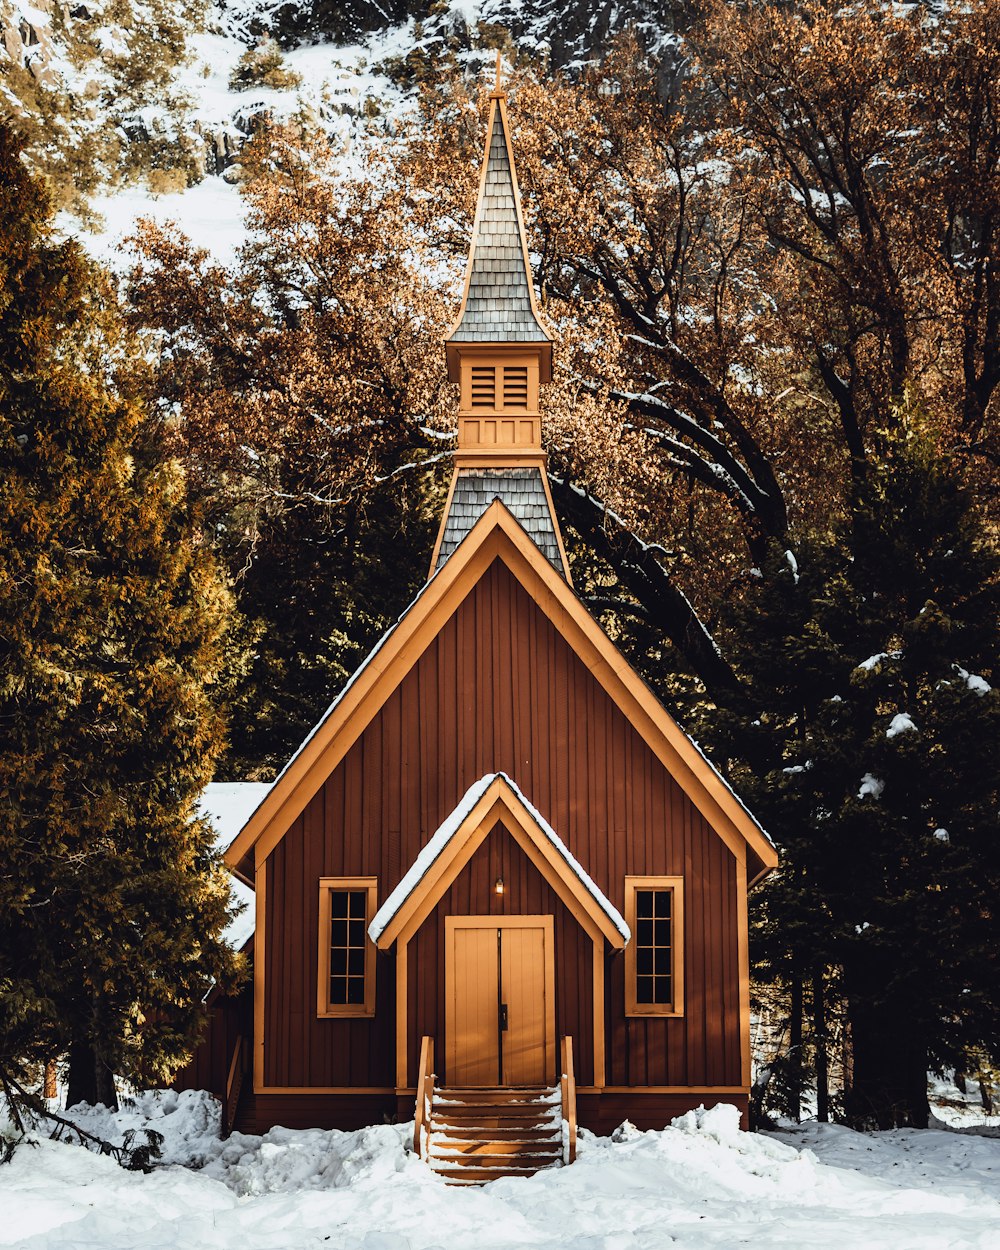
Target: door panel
522, 981
489, 960
473, 1051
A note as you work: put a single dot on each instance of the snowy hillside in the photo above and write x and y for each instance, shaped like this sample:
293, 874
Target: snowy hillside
699, 1183
125, 125
139, 108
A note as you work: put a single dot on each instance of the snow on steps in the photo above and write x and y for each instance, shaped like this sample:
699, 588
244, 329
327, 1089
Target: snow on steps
479, 1135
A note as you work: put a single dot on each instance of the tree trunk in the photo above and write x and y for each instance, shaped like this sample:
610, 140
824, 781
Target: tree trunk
820, 1038
90, 1078
663, 604
795, 1050
50, 1089
889, 1086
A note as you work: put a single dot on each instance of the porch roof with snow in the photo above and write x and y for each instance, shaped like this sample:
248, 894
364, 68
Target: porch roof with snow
493, 798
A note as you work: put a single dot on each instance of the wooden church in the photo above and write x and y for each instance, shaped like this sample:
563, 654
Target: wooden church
497, 883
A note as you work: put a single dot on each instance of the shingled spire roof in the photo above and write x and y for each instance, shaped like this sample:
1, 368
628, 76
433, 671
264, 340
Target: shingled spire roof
500, 355
499, 303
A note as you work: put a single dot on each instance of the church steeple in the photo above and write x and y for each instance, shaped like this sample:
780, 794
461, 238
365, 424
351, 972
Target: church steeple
499, 353
498, 349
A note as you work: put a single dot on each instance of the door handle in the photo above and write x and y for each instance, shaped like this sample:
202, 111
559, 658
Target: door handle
503, 1017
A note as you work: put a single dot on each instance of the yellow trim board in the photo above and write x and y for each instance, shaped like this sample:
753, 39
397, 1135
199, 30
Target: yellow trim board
663, 1089
497, 535
259, 949
328, 1089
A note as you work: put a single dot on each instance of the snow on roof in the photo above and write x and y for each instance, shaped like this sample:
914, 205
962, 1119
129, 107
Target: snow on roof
447, 830
228, 805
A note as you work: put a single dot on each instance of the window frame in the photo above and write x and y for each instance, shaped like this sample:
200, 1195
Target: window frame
325, 1010
675, 1007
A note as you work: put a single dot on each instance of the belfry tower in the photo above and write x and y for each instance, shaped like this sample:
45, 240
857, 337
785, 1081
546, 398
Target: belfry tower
500, 354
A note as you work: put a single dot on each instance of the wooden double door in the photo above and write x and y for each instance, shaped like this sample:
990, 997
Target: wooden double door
500, 1001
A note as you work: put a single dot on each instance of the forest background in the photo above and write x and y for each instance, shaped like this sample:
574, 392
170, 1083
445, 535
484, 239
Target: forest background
768, 241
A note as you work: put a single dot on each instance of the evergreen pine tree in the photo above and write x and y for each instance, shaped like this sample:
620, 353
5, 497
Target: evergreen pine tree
874, 762
112, 619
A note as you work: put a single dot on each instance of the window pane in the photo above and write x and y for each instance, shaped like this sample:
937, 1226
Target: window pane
644, 989
643, 903
662, 933
644, 961
348, 947
662, 985
663, 903
644, 933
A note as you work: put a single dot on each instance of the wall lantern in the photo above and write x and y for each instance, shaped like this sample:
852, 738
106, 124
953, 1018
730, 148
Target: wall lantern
498, 886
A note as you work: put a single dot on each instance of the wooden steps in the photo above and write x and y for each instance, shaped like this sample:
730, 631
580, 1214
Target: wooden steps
479, 1135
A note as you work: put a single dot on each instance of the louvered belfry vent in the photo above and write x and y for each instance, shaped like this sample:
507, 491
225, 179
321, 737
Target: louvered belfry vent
515, 387
484, 386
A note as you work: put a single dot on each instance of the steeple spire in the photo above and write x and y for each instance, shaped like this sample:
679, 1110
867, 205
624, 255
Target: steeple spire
499, 300
500, 353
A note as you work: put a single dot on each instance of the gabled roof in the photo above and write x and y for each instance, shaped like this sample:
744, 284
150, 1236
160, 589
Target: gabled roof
499, 301
497, 536
492, 798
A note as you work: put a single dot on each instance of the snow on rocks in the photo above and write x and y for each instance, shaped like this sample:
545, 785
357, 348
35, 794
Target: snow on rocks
871, 787
978, 685
700, 1183
900, 724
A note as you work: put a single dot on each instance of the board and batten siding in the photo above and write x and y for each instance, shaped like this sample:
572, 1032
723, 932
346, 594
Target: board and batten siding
499, 689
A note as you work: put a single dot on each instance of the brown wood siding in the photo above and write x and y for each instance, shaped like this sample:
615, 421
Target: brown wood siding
526, 893
500, 690
229, 1022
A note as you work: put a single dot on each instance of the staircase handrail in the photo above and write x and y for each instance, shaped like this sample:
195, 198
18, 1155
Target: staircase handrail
567, 1089
234, 1085
425, 1098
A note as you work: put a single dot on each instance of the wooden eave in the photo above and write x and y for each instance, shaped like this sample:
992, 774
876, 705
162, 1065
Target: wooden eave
501, 802
496, 535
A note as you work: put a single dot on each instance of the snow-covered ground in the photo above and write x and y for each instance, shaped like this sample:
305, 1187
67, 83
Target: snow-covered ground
700, 1183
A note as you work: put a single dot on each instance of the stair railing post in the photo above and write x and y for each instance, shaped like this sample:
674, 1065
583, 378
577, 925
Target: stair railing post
424, 1095
567, 1093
